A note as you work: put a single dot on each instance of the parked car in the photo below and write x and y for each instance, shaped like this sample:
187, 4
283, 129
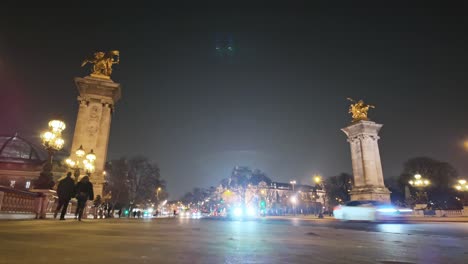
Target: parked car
370, 210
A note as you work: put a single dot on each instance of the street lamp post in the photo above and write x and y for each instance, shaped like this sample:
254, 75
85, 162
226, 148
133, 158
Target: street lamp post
292, 183
294, 201
157, 193
293, 197
319, 182
462, 186
419, 183
83, 161
52, 140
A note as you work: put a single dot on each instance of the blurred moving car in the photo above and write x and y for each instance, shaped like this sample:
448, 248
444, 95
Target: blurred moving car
370, 210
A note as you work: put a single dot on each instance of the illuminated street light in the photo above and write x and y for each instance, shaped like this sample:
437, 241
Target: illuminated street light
294, 201
419, 181
292, 183
317, 179
84, 161
52, 140
462, 186
157, 192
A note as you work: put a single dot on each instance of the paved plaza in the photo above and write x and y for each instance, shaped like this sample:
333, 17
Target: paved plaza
177, 240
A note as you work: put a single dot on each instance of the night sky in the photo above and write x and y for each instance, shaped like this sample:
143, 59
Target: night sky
277, 104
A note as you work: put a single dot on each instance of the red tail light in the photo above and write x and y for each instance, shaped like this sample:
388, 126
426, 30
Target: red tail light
337, 208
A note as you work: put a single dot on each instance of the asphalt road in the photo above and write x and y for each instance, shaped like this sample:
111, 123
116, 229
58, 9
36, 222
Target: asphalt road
219, 241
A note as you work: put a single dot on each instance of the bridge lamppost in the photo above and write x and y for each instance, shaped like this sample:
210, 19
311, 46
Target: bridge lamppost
52, 141
462, 186
420, 183
84, 161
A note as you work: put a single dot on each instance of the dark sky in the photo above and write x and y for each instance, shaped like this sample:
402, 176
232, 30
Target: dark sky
277, 104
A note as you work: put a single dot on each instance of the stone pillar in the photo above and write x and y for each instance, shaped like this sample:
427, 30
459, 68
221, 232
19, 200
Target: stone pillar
97, 99
367, 167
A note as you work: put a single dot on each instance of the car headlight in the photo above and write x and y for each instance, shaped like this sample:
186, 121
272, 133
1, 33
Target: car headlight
405, 210
387, 210
237, 211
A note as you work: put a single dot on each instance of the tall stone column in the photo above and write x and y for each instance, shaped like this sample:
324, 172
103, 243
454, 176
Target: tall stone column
97, 99
367, 167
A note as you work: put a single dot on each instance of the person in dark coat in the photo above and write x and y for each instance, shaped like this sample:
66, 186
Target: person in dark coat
65, 191
84, 192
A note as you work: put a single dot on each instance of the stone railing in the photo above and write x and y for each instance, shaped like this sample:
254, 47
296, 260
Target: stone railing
17, 204
443, 213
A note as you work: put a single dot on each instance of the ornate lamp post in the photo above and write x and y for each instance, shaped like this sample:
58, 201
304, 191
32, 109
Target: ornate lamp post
319, 182
52, 140
83, 161
157, 193
292, 183
462, 186
419, 182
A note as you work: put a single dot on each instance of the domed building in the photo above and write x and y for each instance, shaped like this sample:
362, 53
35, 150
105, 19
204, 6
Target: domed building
21, 162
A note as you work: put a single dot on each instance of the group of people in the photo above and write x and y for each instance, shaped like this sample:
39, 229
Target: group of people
67, 189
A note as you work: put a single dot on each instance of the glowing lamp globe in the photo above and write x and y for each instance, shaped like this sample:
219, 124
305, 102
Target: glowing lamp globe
91, 156
80, 152
57, 125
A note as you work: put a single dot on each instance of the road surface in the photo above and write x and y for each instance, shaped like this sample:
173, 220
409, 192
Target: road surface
169, 240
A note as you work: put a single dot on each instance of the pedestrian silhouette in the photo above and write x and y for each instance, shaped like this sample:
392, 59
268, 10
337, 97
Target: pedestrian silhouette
84, 192
65, 191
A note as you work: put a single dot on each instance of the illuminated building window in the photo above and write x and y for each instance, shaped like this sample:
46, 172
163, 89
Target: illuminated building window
28, 184
12, 184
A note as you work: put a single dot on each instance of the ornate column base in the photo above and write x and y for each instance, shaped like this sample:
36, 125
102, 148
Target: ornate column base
370, 193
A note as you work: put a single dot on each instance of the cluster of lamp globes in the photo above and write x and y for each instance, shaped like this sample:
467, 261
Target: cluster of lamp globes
83, 160
53, 141
419, 181
461, 186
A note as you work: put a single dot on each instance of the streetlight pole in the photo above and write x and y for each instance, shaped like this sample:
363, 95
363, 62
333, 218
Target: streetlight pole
52, 140
462, 186
419, 183
157, 193
319, 182
83, 161
292, 183
293, 198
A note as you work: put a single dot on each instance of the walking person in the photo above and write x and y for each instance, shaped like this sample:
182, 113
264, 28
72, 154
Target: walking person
84, 192
65, 191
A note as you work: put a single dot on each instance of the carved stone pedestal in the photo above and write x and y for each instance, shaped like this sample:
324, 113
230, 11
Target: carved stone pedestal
367, 167
97, 99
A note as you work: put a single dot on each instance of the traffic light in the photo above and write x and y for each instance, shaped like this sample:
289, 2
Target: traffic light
262, 204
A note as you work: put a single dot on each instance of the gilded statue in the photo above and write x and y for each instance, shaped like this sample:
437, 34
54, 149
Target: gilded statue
359, 110
103, 62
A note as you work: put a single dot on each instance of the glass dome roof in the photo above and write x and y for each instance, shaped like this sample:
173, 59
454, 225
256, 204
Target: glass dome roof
17, 148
